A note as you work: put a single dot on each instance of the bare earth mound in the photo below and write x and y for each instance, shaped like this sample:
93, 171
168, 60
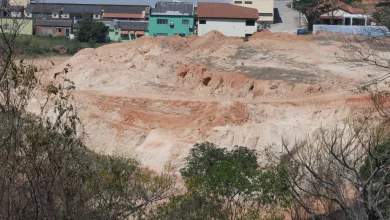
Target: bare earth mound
153, 98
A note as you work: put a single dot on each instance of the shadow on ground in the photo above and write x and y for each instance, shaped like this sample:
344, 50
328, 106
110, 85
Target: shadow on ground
277, 18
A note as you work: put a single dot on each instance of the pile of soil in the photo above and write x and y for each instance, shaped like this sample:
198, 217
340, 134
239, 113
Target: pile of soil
153, 98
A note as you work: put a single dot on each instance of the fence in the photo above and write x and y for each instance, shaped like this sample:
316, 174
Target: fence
374, 31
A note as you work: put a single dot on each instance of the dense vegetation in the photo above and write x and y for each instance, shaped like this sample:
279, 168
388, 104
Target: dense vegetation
40, 46
91, 32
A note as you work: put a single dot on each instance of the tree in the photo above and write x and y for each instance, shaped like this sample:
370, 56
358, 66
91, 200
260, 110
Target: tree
224, 184
46, 171
90, 31
382, 14
342, 169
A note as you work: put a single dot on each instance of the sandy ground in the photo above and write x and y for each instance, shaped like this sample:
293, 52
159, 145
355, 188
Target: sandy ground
153, 98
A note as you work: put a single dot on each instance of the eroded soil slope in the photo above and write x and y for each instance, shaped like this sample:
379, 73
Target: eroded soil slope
153, 98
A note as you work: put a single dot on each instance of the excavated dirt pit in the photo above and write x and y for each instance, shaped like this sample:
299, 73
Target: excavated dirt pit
153, 98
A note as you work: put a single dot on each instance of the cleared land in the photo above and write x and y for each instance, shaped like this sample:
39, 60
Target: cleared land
153, 98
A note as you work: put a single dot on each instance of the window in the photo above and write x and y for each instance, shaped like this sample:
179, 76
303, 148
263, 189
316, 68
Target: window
250, 22
237, 2
5, 26
265, 14
182, 35
162, 21
185, 21
59, 30
202, 21
248, 2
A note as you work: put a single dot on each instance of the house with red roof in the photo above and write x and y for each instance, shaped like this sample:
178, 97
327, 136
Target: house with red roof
229, 19
336, 12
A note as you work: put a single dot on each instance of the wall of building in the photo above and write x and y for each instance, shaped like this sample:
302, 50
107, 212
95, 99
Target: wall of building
178, 27
55, 15
358, 30
65, 15
115, 35
96, 16
228, 27
264, 7
16, 14
25, 26
51, 31
43, 31
60, 31
335, 13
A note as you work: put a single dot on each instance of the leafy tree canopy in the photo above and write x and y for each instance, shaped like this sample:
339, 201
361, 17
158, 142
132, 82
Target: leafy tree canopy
88, 31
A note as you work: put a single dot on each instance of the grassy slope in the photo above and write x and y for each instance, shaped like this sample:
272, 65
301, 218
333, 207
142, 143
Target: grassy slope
35, 45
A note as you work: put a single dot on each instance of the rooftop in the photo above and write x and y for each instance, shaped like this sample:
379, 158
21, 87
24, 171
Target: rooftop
173, 8
80, 8
225, 10
124, 2
53, 22
343, 6
132, 25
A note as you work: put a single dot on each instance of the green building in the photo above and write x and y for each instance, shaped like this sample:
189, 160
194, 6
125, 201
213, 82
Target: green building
171, 18
127, 30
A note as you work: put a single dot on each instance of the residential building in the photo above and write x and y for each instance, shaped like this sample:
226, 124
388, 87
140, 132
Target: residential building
128, 30
43, 10
343, 14
53, 27
171, 18
230, 20
265, 8
79, 11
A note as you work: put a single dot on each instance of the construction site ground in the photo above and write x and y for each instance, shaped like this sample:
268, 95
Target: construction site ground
154, 98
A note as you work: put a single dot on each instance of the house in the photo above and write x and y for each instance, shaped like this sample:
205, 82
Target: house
128, 30
79, 11
53, 27
230, 20
171, 18
64, 11
43, 10
265, 9
341, 13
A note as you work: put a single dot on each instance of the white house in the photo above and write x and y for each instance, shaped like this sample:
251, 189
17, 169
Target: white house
230, 20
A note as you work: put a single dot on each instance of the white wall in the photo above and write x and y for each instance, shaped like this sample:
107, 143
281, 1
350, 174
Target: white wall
64, 15
262, 6
96, 16
16, 14
55, 15
228, 27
